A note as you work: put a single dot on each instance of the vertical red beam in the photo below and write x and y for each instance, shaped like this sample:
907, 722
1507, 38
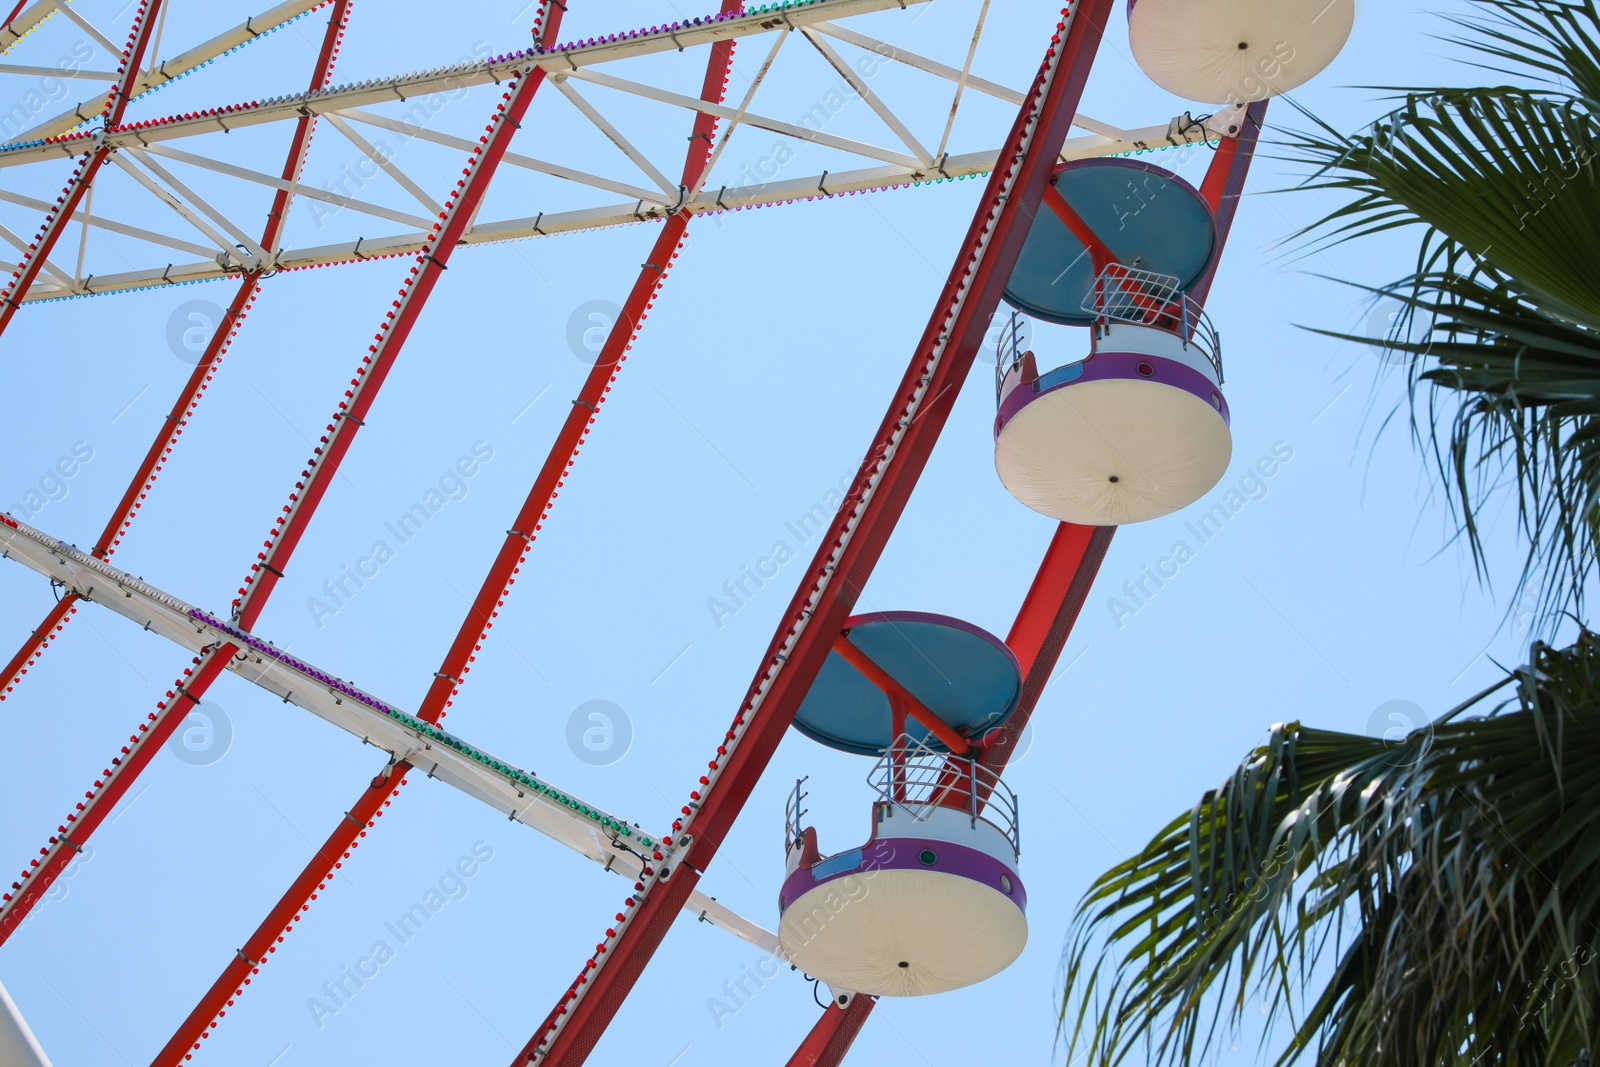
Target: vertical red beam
177, 418
280, 920
1043, 624
362, 816
1224, 185
56, 219
853, 545
833, 1034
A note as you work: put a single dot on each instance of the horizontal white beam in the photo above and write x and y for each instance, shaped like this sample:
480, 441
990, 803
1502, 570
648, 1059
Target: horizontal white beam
612, 842
26, 22
726, 199
171, 69
406, 87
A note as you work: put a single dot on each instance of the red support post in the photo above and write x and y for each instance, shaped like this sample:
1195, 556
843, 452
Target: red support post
1099, 255
901, 699
833, 1034
57, 218
1224, 185
177, 418
496, 584
1043, 624
279, 922
108, 789
855, 541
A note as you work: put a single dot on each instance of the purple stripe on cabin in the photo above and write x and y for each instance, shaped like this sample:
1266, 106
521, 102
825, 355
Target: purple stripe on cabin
905, 854
1104, 366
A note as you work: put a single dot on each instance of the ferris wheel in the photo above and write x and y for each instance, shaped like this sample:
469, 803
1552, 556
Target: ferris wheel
1072, 229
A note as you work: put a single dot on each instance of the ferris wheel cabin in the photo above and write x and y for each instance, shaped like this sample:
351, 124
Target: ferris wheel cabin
1236, 51
933, 900
1139, 428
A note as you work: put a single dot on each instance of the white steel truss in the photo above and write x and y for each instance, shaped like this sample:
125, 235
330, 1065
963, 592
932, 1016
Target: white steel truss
164, 163
524, 798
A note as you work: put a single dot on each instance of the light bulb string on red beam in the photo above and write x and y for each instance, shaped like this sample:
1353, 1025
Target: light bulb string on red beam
411, 298
585, 408
855, 541
245, 963
116, 779
172, 426
57, 217
109, 788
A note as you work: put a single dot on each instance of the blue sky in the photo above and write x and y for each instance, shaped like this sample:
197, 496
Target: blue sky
753, 389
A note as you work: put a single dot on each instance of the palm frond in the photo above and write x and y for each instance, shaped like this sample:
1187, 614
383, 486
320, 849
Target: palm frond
1502, 185
1505, 398
1438, 898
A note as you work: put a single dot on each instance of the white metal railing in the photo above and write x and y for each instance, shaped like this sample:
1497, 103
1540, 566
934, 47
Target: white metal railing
920, 780
792, 814
1010, 347
1145, 298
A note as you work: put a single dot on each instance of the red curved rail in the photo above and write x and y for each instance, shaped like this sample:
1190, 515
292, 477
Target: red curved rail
854, 543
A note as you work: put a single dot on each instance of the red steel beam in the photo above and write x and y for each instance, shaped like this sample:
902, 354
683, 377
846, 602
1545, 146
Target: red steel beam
189, 397
1043, 624
113, 784
854, 543
1224, 185
833, 1034
56, 219
281, 920
38, 640
896, 692
585, 409
283, 916
362, 816
124, 769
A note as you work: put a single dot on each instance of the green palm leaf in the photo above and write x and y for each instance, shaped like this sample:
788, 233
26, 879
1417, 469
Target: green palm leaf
1502, 182
1438, 900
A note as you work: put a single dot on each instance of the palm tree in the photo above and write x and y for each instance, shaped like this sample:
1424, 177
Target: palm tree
1501, 182
1416, 904
1435, 901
